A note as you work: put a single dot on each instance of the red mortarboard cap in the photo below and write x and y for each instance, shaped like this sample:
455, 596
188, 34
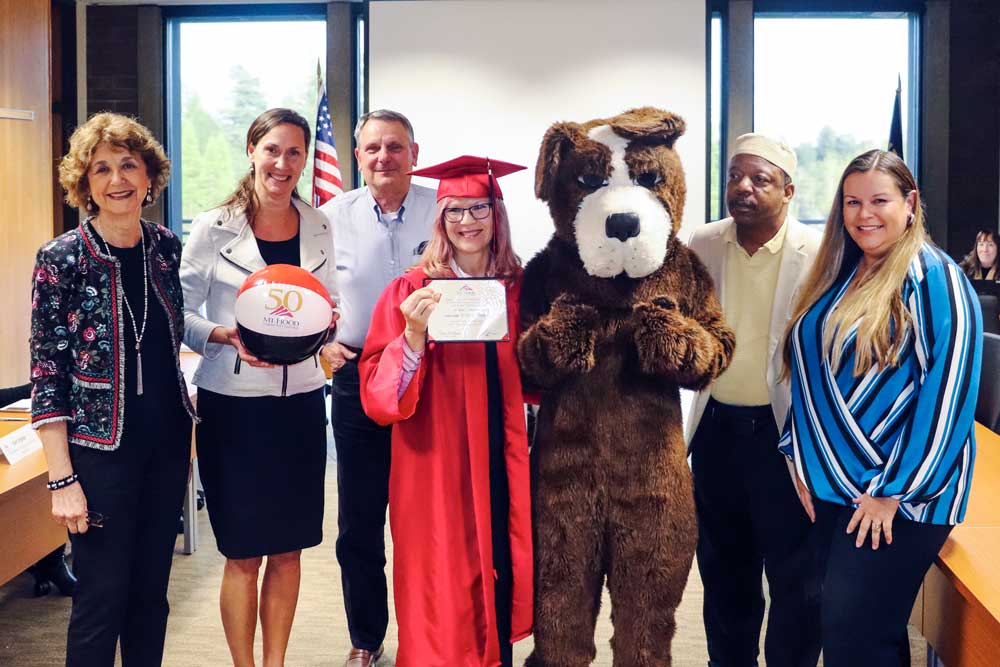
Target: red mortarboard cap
467, 176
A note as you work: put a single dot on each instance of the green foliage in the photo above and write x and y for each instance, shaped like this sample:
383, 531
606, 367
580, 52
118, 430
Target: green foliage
207, 173
304, 100
213, 148
246, 102
820, 165
717, 171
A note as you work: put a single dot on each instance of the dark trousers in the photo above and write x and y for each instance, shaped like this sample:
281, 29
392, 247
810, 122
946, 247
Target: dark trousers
750, 521
868, 594
122, 569
363, 454
503, 567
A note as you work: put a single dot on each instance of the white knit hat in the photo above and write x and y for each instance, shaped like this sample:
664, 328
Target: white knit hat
776, 152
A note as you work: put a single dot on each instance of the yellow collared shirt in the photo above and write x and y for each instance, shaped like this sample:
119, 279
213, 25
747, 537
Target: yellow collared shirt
750, 281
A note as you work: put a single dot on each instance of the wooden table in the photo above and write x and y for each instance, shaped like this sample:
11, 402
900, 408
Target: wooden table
27, 531
959, 609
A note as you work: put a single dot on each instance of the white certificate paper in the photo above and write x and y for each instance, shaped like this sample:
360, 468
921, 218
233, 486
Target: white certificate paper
18, 444
470, 310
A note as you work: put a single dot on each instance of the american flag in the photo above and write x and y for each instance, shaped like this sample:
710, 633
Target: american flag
326, 168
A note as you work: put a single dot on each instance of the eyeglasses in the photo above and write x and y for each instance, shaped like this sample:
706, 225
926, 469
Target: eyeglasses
478, 211
96, 519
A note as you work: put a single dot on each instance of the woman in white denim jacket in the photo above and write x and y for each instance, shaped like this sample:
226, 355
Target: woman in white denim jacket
262, 436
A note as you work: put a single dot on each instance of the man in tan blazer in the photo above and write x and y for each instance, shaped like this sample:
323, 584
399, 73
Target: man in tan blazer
749, 517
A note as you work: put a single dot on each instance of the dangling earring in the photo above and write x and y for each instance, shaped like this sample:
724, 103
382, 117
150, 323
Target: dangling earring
149, 195
909, 220
90, 204
250, 170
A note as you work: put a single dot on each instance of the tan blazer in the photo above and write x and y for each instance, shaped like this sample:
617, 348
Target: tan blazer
797, 254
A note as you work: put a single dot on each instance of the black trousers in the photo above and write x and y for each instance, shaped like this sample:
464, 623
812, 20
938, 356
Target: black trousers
363, 455
868, 594
503, 565
122, 569
750, 521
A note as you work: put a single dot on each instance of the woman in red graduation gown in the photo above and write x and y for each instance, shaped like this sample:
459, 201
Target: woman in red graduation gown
459, 503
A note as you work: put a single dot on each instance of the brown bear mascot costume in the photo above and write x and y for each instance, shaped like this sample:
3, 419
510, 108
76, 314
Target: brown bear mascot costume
618, 315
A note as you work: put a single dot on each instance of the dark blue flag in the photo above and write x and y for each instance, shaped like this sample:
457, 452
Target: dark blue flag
896, 129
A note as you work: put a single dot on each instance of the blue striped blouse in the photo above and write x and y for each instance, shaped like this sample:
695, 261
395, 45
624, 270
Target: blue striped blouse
905, 431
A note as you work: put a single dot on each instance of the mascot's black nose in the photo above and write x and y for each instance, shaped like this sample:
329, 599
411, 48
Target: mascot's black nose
622, 226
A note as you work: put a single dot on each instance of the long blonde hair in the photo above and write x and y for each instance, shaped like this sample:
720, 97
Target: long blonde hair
876, 304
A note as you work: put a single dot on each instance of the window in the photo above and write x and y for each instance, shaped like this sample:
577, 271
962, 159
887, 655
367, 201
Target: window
224, 71
361, 67
716, 159
826, 85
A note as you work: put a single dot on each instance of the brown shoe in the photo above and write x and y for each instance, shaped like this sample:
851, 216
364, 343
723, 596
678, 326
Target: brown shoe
359, 657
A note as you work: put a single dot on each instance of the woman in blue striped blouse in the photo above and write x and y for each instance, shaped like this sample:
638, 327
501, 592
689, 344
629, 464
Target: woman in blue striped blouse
884, 353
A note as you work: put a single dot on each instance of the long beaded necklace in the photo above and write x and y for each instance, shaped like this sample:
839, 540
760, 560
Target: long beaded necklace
136, 330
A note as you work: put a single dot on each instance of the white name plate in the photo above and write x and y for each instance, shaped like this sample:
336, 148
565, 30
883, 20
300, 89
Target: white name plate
18, 444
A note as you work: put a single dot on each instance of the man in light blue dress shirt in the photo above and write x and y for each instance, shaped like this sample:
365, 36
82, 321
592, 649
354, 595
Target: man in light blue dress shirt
379, 232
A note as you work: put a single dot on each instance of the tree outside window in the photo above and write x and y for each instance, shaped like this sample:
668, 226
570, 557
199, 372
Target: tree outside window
231, 72
826, 86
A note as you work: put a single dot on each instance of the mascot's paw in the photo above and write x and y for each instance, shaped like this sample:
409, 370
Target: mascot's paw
568, 335
666, 340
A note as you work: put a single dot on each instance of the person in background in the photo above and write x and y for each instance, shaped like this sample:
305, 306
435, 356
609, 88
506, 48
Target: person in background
749, 519
380, 231
10, 395
459, 497
262, 436
981, 262
109, 398
884, 350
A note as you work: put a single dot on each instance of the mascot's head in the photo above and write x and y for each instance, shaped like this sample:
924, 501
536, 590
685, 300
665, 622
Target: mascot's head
615, 188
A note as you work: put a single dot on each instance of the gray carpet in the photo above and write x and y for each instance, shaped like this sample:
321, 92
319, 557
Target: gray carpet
32, 631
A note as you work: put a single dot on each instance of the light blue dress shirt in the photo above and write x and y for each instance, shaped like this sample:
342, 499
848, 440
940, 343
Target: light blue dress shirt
370, 252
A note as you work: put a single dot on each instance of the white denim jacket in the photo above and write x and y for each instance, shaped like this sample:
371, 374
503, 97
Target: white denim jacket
219, 255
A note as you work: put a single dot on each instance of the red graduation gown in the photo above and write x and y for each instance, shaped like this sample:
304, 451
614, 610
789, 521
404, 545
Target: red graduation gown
439, 492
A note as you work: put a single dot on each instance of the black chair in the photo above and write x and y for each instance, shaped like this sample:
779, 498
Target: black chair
988, 405
991, 308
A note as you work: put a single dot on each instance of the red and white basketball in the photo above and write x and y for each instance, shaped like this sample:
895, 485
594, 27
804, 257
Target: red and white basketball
283, 314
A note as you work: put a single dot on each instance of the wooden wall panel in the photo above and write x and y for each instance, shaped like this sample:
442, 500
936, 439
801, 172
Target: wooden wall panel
26, 188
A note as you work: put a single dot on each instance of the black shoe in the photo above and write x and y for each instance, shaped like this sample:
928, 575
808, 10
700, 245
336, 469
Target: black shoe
63, 578
53, 571
42, 587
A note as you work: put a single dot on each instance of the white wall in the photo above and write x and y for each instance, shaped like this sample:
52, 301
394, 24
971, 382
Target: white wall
487, 77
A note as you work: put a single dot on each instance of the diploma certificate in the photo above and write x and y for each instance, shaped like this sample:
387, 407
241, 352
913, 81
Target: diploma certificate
470, 310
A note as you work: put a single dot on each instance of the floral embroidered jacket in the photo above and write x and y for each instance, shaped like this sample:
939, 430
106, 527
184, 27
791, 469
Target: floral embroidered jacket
78, 332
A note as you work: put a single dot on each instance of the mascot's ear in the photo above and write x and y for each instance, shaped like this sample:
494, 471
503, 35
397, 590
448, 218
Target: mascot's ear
651, 125
556, 141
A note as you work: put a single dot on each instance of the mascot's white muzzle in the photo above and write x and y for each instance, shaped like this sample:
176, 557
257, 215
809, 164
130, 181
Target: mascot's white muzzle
622, 229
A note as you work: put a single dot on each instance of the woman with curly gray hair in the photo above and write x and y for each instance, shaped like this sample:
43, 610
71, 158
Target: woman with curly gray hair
108, 397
